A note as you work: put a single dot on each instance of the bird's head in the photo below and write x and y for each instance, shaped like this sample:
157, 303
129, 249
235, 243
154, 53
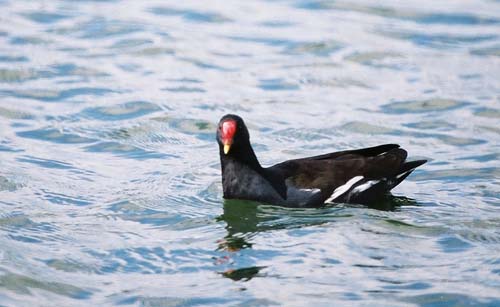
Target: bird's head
232, 134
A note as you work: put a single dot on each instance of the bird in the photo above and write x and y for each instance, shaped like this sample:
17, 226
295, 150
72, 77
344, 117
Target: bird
360, 176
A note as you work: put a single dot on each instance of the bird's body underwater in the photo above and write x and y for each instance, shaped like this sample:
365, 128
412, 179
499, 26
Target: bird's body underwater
353, 176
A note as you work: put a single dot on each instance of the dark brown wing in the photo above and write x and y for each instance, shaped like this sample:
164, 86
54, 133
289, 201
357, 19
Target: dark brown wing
329, 171
364, 152
291, 167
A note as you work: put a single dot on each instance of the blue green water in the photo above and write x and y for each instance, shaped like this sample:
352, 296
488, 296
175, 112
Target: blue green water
110, 187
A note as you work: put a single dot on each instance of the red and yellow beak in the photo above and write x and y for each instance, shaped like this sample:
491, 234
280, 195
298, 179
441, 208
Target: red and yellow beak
228, 130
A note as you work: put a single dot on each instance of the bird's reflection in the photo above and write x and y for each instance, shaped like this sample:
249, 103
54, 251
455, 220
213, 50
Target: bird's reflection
243, 274
242, 222
246, 219
392, 203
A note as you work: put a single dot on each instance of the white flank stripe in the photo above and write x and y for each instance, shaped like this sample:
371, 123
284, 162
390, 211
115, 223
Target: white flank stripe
310, 190
343, 188
365, 186
402, 174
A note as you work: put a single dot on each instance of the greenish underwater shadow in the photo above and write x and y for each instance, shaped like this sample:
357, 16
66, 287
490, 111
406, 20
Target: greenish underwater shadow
244, 219
242, 222
392, 203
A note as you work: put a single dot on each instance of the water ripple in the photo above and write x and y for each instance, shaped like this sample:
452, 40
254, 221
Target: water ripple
191, 15
23, 284
110, 188
54, 135
126, 150
423, 106
57, 96
120, 112
440, 41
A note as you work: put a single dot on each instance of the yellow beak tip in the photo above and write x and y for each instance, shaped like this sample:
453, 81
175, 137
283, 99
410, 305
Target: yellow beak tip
226, 148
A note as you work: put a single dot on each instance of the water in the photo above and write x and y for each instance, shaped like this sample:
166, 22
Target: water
109, 172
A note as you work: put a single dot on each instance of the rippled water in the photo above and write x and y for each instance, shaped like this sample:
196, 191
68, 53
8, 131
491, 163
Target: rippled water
109, 172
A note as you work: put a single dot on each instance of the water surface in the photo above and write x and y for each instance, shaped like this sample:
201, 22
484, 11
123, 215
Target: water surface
109, 172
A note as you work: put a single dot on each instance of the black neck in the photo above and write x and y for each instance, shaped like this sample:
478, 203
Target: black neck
243, 153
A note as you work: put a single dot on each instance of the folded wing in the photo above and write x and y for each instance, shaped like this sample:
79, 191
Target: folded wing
350, 176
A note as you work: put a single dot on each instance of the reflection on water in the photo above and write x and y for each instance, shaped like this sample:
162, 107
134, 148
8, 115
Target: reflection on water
242, 222
109, 172
246, 218
244, 274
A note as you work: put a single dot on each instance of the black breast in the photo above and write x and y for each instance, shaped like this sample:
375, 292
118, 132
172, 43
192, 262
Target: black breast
241, 182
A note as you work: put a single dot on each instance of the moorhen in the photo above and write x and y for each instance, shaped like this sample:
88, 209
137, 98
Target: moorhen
359, 176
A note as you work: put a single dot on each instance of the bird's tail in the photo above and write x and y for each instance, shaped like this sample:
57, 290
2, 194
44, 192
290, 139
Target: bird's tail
406, 169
